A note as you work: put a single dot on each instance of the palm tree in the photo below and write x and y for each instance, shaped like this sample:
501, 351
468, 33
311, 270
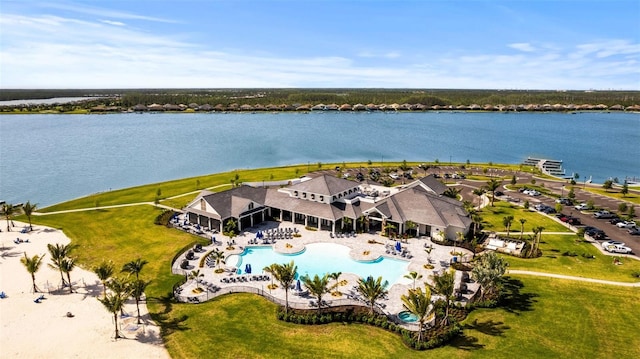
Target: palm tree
120, 286
488, 272
134, 267
507, 220
286, 274
7, 211
418, 303
522, 222
218, 256
28, 210
317, 286
451, 192
477, 220
114, 304
410, 225
428, 250
537, 235
479, 192
492, 186
346, 223
271, 269
66, 265
444, 285
335, 276
414, 276
136, 289
194, 275
104, 271
58, 253
372, 289
33, 265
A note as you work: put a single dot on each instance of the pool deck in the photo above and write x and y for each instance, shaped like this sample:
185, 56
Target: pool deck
364, 247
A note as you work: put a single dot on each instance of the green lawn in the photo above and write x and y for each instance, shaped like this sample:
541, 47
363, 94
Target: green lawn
632, 196
545, 318
553, 260
492, 219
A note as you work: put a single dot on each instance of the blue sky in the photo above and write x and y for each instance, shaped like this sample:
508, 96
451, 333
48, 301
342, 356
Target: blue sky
561, 44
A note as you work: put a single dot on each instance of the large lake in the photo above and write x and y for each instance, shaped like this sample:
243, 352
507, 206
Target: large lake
52, 158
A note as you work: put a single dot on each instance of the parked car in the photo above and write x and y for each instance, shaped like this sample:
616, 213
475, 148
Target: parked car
564, 201
594, 232
626, 224
635, 231
581, 206
612, 243
574, 221
618, 249
603, 214
615, 220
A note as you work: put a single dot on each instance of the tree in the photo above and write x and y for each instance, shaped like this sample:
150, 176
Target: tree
137, 288
134, 267
230, 227
104, 271
632, 212
451, 192
444, 285
488, 272
410, 226
218, 257
623, 207
418, 303
114, 304
271, 269
492, 186
7, 211
607, 185
317, 286
66, 265
336, 277
479, 192
522, 222
513, 180
286, 274
58, 253
476, 219
537, 234
194, 275
121, 287
372, 289
507, 220
346, 223
32, 265
625, 189
572, 194
28, 210
413, 275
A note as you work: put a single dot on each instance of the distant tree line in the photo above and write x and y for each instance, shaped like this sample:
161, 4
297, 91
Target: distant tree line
118, 99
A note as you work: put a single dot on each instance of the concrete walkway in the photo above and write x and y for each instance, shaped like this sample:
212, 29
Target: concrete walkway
581, 279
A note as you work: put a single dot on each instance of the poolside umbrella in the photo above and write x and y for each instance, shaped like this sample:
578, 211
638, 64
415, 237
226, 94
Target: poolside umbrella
298, 286
246, 268
249, 268
398, 246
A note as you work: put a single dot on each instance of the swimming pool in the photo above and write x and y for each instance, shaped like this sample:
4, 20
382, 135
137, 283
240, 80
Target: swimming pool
321, 258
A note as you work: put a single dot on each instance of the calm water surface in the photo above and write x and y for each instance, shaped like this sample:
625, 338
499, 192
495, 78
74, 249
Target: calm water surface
52, 158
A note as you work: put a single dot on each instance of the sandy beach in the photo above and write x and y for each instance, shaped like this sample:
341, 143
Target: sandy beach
43, 330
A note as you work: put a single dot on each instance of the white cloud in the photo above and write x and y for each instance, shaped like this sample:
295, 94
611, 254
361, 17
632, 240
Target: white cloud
522, 46
373, 54
101, 12
111, 22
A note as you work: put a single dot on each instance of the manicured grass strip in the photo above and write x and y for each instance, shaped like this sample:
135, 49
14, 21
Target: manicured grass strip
553, 260
632, 196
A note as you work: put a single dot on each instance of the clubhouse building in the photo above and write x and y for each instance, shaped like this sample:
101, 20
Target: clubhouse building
329, 203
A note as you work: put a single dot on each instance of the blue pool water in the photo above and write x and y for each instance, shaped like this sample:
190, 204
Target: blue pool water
321, 258
407, 317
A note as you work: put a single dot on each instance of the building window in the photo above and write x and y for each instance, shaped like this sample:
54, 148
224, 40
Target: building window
313, 196
250, 206
304, 194
203, 204
321, 198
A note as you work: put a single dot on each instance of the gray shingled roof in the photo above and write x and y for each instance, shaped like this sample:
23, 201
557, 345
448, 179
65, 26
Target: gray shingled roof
433, 183
324, 185
232, 202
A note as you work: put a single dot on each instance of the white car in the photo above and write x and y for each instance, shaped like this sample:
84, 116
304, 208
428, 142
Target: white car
581, 206
612, 243
618, 249
626, 224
